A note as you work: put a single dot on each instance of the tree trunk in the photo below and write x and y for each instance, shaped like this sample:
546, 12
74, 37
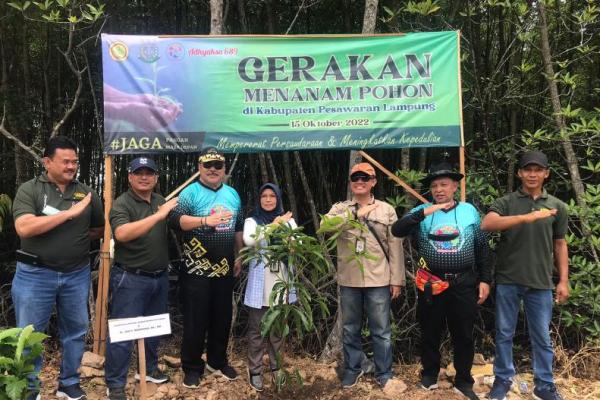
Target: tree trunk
318, 157
264, 173
21, 174
333, 347
253, 178
307, 191
370, 16
289, 184
510, 184
216, 17
369, 22
572, 163
272, 167
270, 16
242, 15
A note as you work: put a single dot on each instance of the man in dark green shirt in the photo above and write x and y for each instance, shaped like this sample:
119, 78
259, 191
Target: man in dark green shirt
139, 279
532, 243
55, 217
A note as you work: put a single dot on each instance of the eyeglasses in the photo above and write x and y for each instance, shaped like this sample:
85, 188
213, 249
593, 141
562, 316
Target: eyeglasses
213, 164
361, 178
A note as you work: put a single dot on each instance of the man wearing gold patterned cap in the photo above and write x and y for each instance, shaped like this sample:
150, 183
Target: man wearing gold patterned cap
209, 216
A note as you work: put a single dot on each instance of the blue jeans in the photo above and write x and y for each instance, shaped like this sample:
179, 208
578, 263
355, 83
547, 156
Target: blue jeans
133, 296
35, 293
538, 312
376, 302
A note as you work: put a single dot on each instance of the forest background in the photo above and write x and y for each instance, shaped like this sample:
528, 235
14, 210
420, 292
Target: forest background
530, 80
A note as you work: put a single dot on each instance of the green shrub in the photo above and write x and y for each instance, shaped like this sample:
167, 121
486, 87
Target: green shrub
19, 347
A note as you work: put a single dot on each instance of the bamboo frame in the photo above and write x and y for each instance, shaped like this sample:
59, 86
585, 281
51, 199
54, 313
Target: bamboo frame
393, 177
100, 322
461, 149
182, 186
100, 327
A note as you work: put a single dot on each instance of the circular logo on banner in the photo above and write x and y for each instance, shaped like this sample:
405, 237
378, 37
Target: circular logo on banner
175, 52
118, 51
149, 53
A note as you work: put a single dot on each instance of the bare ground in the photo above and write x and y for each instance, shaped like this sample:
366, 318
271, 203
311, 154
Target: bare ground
320, 382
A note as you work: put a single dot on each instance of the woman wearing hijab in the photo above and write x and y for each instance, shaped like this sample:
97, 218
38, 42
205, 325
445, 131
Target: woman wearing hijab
262, 278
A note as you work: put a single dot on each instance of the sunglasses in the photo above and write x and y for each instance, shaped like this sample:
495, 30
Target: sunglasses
361, 178
213, 164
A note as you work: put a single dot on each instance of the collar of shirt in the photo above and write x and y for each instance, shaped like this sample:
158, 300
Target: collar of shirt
354, 202
44, 178
523, 193
210, 188
137, 198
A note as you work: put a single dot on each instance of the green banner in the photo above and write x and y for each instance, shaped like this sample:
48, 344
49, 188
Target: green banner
264, 93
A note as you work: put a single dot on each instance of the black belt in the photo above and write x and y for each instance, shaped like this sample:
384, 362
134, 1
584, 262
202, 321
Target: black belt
141, 272
452, 276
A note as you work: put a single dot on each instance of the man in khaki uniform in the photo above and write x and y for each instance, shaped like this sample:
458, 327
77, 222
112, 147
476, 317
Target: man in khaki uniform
372, 287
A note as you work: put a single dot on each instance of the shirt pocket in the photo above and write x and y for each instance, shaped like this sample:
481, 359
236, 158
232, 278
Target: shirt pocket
380, 223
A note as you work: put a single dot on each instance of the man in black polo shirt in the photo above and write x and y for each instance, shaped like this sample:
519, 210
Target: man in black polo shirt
533, 225
139, 279
55, 217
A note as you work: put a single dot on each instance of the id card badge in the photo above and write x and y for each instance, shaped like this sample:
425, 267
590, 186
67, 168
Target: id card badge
49, 210
361, 244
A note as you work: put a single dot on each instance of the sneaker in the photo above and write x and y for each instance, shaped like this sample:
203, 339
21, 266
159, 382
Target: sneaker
256, 381
466, 391
227, 371
429, 382
499, 389
351, 379
117, 393
155, 377
71, 392
548, 393
191, 379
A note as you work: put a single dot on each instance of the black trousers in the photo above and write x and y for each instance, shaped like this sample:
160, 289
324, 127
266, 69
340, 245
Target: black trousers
456, 307
206, 308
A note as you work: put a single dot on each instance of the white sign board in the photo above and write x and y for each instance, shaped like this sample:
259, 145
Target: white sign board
123, 329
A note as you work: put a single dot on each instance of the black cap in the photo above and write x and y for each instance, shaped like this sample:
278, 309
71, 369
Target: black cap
443, 169
533, 157
142, 162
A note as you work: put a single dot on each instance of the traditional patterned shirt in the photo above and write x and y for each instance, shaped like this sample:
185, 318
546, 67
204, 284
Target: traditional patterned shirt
208, 251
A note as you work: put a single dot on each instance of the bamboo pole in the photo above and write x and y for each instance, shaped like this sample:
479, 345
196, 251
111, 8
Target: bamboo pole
182, 186
100, 327
393, 177
463, 181
461, 149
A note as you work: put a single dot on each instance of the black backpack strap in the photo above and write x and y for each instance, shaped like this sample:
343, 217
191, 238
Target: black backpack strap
387, 257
